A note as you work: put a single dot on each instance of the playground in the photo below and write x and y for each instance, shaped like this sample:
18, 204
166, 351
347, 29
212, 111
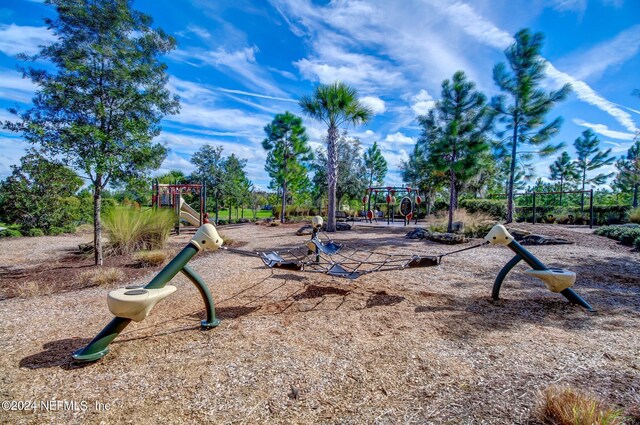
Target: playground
421, 345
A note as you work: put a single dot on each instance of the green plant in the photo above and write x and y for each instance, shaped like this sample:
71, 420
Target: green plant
35, 232
626, 234
634, 216
474, 225
133, 230
636, 244
496, 208
10, 233
566, 406
55, 231
150, 258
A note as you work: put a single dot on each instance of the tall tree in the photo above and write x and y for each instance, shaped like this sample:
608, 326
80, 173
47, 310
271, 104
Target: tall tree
563, 169
102, 108
35, 193
234, 181
419, 172
210, 169
628, 178
590, 158
288, 150
455, 133
525, 118
375, 164
335, 104
351, 170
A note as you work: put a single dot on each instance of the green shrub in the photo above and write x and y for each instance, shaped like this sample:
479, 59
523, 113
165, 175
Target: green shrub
495, 208
626, 234
69, 228
35, 232
55, 230
10, 233
634, 216
132, 230
636, 244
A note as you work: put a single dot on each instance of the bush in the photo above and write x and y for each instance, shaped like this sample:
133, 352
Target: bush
476, 225
495, 208
636, 244
566, 406
634, 216
10, 233
133, 230
55, 231
35, 232
150, 258
626, 234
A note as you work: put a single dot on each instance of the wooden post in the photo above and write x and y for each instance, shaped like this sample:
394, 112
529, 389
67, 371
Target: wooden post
534, 207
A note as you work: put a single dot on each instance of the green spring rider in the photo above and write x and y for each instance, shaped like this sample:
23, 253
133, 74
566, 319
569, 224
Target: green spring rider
135, 302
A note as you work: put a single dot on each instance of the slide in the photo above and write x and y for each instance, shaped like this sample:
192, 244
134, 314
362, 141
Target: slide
189, 214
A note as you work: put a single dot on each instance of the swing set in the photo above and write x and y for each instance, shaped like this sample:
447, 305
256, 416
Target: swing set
331, 258
407, 208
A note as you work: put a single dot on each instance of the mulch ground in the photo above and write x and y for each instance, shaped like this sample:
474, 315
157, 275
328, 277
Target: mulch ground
411, 346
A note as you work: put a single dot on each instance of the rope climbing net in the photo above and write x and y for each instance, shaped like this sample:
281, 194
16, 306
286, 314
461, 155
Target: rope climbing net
338, 260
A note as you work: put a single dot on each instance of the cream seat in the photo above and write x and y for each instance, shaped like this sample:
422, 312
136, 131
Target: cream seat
135, 304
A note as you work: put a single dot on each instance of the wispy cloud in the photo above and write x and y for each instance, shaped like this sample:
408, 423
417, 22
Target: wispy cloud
604, 130
15, 39
239, 64
498, 38
611, 53
262, 96
14, 87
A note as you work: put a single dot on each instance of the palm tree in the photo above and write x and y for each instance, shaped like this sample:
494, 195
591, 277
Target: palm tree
334, 104
563, 169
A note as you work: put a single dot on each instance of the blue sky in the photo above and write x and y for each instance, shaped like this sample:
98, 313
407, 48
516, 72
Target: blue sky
240, 62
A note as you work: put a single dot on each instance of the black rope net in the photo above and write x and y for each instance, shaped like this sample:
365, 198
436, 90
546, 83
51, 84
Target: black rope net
341, 261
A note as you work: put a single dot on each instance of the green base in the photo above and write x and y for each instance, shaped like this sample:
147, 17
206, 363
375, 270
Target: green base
209, 325
91, 357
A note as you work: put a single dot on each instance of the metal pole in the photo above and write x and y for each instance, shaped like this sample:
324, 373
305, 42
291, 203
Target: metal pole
211, 321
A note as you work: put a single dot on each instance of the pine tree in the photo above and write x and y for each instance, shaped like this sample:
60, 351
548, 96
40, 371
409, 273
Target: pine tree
209, 164
564, 170
375, 164
525, 117
590, 158
288, 150
454, 133
628, 178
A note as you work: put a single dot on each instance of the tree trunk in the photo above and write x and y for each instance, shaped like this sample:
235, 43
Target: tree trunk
217, 195
635, 196
332, 177
584, 178
561, 181
284, 195
512, 170
97, 224
452, 199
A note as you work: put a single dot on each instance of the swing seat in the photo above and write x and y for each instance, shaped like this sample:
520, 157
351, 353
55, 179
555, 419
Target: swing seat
556, 280
135, 304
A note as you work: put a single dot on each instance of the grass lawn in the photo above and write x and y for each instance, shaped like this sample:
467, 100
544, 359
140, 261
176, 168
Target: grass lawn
223, 214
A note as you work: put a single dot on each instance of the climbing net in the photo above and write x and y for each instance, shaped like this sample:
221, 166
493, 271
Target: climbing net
338, 260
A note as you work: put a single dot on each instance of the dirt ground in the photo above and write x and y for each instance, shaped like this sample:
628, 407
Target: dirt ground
423, 346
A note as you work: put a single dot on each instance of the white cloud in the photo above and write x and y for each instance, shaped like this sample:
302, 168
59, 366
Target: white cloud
588, 95
593, 62
12, 149
14, 87
399, 138
474, 24
422, 103
604, 130
376, 104
240, 64
579, 6
16, 39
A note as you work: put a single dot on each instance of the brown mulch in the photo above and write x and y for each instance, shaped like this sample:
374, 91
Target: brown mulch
412, 346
